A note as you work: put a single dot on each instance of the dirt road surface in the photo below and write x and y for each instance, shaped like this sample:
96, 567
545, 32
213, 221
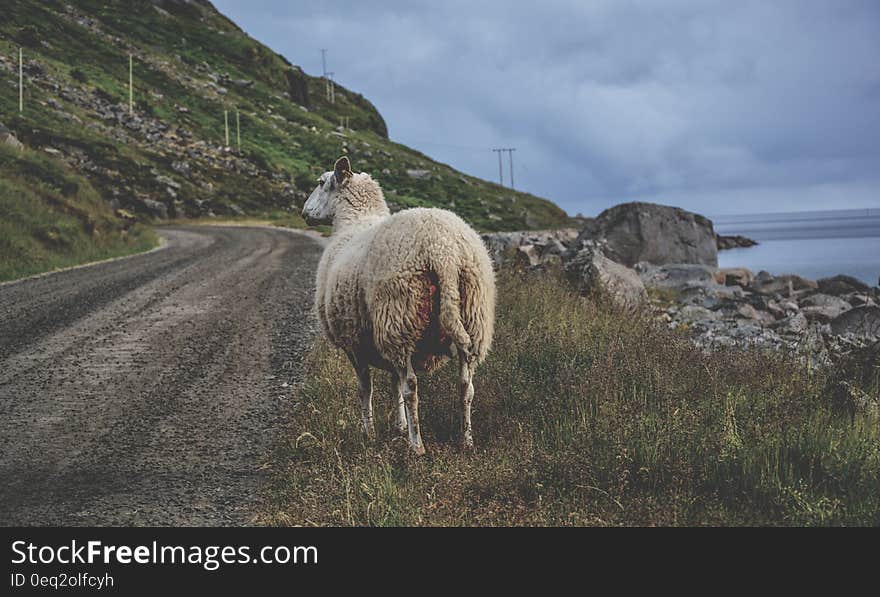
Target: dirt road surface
152, 390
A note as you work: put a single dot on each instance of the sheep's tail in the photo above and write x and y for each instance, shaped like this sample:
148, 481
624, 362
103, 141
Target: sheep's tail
450, 308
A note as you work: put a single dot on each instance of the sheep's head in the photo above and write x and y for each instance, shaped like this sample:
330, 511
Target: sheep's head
344, 194
321, 204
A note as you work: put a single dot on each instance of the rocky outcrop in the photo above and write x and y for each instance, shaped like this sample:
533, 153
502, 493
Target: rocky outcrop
733, 242
537, 246
717, 307
594, 273
656, 234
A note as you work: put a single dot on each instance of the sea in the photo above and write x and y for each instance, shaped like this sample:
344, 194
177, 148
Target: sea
812, 244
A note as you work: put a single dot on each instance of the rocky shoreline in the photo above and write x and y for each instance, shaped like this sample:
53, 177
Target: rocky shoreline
665, 258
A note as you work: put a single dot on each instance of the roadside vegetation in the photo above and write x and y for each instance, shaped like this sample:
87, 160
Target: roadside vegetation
586, 415
50, 217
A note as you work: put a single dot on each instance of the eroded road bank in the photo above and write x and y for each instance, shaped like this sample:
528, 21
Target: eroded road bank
152, 390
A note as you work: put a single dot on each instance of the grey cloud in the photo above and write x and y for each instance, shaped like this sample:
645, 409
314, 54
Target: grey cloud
715, 106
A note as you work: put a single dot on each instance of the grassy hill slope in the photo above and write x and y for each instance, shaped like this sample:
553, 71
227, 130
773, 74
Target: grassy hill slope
169, 157
51, 217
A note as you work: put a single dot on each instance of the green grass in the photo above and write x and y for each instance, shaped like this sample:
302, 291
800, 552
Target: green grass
588, 416
51, 218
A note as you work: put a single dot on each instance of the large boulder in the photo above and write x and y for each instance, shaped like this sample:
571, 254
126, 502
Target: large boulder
842, 284
863, 322
593, 272
823, 307
657, 234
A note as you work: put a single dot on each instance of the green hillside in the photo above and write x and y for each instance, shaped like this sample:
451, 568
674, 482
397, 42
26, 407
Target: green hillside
168, 158
51, 217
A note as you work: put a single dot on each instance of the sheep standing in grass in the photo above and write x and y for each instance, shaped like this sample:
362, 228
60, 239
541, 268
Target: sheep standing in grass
401, 292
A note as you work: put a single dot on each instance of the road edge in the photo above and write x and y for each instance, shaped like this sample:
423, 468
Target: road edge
163, 244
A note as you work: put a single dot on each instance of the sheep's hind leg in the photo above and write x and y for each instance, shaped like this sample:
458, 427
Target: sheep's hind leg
401, 408
365, 394
409, 390
466, 393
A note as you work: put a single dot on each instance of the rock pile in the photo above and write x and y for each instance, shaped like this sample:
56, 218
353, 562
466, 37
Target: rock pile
719, 307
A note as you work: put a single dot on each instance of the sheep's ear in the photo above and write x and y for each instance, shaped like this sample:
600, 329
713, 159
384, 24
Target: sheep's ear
342, 170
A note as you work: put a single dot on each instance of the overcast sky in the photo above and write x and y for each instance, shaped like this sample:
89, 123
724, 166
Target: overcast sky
719, 107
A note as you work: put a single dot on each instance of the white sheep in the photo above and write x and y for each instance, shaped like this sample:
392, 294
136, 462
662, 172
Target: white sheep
400, 292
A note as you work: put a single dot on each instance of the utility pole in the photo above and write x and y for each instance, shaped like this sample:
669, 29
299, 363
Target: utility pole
331, 91
237, 130
226, 123
130, 84
328, 83
20, 81
500, 171
510, 151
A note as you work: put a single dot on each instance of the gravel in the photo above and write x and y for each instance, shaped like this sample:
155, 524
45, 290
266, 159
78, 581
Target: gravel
153, 390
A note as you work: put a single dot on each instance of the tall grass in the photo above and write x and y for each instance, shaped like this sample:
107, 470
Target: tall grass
51, 217
586, 415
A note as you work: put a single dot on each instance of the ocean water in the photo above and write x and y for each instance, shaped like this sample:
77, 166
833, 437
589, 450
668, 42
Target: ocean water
810, 244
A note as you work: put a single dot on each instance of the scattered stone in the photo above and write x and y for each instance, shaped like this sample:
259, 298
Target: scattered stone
785, 285
692, 313
735, 276
418, 174
747, 311
502, 245
594, 272
861, 322
157, 209
7, 138
675, 276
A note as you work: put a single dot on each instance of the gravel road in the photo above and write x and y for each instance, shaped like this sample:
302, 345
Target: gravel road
152, 390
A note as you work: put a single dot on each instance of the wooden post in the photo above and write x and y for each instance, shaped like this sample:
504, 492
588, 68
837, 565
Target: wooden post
238, 130
130, 84
226, 124
20, 81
